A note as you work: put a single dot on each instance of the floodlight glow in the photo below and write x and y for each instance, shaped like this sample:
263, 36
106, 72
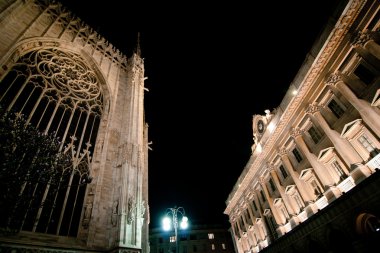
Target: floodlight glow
184, 223
271, 127
259, 148
166, 224
172, 217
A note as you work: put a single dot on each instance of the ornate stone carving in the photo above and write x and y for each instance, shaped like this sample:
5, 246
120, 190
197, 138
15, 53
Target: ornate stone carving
262, 181
333, 79
87, 215
360, 38
282, 151
313, 108
115, 212
142, 209
69, 74
270, 166
131, 210
269, 115
296, 132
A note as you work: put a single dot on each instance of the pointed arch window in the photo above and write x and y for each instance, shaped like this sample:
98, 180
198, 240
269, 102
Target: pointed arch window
59, 94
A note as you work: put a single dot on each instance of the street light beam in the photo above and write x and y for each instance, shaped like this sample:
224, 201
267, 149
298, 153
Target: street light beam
166, 223
184, 224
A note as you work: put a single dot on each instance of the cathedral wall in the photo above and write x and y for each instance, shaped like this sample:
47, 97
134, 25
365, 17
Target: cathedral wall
115, 193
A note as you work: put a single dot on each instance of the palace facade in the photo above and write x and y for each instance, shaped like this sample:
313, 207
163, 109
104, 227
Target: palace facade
311, 183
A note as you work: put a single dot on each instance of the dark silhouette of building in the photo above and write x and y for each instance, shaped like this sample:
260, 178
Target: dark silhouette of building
196, 239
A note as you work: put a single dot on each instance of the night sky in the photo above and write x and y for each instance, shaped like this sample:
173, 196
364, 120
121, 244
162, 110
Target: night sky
210, 68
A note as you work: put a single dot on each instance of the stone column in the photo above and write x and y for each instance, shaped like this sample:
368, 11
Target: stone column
279, 220
262, 229
257, 227
238, 226
253, 219
289, 202
305, 193
368, 113
319, 169
250, 239
365, 39
237, 242
246, 224
250, 212
243, 239
343, 146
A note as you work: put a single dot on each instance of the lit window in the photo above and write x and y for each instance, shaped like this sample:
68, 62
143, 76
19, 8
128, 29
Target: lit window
284, 212
317, 189
223, 246
367, 143
298, 200
172, 238
211, 236
338, 169
212, 246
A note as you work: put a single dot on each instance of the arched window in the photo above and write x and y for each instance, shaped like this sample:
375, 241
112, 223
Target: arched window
60, 95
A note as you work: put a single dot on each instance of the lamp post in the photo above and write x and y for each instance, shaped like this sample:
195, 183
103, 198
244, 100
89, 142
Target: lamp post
173, 212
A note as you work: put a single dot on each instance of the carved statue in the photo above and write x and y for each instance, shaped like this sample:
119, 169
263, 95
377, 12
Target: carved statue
131, 210
115, 211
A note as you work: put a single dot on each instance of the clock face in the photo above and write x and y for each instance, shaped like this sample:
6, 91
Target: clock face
260, 126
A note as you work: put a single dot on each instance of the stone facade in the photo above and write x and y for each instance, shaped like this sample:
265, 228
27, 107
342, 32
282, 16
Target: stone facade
79, 72
310, 183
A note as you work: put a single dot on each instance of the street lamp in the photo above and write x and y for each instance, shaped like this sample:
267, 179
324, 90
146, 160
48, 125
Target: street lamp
166, 222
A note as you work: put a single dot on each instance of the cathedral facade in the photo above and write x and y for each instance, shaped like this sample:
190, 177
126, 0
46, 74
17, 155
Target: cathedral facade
70, 82
312, 181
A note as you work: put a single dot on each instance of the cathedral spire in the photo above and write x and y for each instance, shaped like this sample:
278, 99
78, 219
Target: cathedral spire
138, 50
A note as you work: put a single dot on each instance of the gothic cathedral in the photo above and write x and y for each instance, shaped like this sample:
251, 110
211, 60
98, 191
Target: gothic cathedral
67, 81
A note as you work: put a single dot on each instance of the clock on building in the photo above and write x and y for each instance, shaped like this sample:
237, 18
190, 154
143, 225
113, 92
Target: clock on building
260, 126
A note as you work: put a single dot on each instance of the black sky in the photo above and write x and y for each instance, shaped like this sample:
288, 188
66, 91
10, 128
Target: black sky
210, 69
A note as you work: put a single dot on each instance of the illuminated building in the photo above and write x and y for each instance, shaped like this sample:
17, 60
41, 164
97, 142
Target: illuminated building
311, 184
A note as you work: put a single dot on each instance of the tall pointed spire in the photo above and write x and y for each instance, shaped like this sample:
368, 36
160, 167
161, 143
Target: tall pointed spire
138, 50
